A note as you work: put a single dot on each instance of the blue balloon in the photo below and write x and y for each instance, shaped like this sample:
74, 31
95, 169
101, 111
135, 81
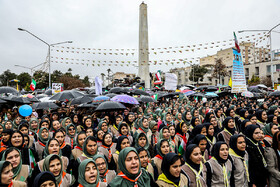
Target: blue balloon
25, 110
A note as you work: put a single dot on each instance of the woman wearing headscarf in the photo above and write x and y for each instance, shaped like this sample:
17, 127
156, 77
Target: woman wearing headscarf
262, 117
217, 128
71, 134
171, 172
105, 174
45, 178
155, 134
164, 133
219, 167
42, 141
187, 117
211, 139
219, 116
162, 148
141, 140
257, 160
122, 143
194, 168
144, 127
8, 124
240, 159
229, 130
199, 129
273, 160
145, 162
182, 135
6, 179
79, 141
6, 139
53, 163
201, 141
65, 122
65, 148
29, 155
194, 122
124, 131
178, 118
269, 130
89, 174
33, 127
108, 147
21, 171
103, 126
131, 173
99, 137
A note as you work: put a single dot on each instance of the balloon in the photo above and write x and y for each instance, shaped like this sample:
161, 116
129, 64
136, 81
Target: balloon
204, 100
25, 110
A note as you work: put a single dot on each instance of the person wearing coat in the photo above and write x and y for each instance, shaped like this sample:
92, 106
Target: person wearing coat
273, 160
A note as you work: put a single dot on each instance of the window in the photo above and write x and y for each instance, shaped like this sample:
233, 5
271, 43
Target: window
246, 71
268, 69
257, 70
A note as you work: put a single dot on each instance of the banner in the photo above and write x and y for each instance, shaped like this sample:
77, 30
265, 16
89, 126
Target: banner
57, 87
98, 86
170, 81
238, 74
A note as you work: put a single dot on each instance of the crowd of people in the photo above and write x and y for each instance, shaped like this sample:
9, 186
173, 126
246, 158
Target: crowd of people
177, 142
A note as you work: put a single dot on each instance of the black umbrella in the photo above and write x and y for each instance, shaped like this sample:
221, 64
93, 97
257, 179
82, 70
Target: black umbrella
125, 90
87, 105
147, 99
109, 106
111, 95
16, 99
66, 95
44, 105
48, 92
2, 101
201, 88
81, 100
198, 94
8, 89
211, 88
139, 92
116, 90
254, 89
33, 99
277, 93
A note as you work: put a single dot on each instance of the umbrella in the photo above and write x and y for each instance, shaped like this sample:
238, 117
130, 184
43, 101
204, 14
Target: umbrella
66, 95
100, 99
147, 99
125, 99
188, 92
277, 93
247, 94
262, 86
109, 106
48, 92
111, 95
254, 89
198, 94
2, 101
211, 94
81, 100
139, 92
201, 88
31, 98
116, 90
184, 88
211, 88
16, 99
44, 105
87, 105
125, 90
8, 89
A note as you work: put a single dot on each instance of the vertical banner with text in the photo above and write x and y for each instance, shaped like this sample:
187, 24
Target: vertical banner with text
238, 74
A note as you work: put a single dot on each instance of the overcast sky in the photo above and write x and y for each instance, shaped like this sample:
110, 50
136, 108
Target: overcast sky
115, 24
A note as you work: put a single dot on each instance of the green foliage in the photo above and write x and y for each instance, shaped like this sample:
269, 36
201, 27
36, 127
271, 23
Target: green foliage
24, 79
254, 80
198, 72
6, 76
219, 69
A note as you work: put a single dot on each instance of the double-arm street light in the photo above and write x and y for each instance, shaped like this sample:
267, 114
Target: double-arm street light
271, 60
49, 50
31, 69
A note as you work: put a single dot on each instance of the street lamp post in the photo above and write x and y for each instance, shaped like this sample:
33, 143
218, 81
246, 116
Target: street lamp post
271, 60
193, 71
31, 69
49, 50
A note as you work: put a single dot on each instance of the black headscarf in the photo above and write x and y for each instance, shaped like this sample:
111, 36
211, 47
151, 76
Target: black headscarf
193, 121
119, 142
207, 125
103, 141
259, 115
270, 118
242, 112
207, 117
168, 160
188, 153
249, 131
228, 111
233, 144
196, 130
242, 125
216, 152
225, 125
43, 177
10, 132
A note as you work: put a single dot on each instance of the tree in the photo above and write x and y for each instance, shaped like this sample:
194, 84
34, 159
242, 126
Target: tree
42, 79
219, 69
266, 81
71, 82
198, 72
6, 76
86, 81
56, 75
24, 79
254, 80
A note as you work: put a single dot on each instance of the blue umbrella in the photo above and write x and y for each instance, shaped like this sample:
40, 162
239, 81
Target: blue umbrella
101, 99
211, 94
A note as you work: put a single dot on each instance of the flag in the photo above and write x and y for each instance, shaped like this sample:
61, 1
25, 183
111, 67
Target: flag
33, 85
182, 146
157, 87
230, 82
158, 76
196, 99
235, 97
219, 91
155, 97
6, 117
236, 43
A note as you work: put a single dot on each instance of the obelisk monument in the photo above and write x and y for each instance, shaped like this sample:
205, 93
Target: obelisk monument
143, 63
